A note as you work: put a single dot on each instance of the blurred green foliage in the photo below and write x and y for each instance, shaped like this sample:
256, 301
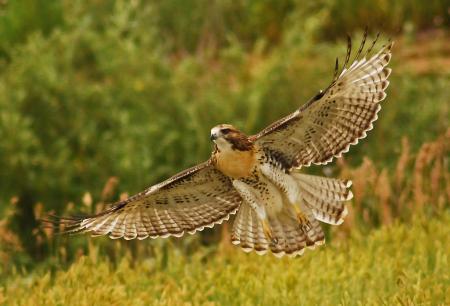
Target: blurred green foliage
94, 89
18, 19
405, 264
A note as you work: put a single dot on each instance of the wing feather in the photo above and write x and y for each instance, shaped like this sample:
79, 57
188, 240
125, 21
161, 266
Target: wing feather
336, 118
196, 198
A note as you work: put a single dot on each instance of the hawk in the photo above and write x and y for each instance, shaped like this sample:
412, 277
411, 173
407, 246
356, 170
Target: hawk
258, 177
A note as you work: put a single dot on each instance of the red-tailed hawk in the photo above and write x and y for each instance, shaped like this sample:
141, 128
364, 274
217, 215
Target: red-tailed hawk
258, 177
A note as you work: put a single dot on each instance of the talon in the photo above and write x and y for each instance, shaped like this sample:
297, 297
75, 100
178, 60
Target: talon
305, 225
268, 232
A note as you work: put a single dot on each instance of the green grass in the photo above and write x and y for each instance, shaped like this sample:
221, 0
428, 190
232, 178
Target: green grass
405, 264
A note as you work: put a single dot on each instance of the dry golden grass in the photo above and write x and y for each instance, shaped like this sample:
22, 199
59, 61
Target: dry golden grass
401, 264
9, 242
419, 182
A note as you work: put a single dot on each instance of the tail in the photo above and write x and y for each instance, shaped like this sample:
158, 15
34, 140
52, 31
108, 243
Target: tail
321, 199
291, 236
325, 196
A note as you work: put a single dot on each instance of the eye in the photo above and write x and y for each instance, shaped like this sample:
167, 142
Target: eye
225, 131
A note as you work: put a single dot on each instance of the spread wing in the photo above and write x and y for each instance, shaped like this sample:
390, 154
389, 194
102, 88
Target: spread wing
334, 119
187, 202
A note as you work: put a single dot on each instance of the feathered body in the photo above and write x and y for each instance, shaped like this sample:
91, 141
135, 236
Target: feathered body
275, 197
258, 177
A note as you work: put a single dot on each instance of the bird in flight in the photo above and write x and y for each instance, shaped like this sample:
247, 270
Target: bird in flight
258, 177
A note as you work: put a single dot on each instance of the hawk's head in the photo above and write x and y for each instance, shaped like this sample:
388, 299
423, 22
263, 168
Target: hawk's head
227, 137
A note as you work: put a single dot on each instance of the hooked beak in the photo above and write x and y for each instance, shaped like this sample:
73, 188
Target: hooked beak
213, 137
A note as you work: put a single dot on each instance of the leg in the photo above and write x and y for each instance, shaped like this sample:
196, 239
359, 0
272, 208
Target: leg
289, 186
250, 197
305, 225
285, 182
268, 231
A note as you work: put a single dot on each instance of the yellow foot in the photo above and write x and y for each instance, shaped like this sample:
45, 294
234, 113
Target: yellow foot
305, 225
268, 232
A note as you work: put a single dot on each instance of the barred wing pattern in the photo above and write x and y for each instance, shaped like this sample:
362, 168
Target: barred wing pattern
188, 202
336, 118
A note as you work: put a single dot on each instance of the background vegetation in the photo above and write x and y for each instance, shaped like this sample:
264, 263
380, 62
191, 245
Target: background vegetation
99, 99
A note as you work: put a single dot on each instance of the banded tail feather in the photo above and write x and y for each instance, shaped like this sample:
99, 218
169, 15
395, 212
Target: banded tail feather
292, 237
321, 199
326, 197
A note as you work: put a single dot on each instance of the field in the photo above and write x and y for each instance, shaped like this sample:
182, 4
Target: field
397, 265
100, 99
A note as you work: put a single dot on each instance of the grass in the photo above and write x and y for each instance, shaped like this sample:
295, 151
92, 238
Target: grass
403, 264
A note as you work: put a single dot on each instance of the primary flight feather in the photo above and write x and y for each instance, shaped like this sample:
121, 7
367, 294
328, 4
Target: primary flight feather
258, 177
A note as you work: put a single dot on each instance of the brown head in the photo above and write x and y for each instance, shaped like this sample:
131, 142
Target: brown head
226, 137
